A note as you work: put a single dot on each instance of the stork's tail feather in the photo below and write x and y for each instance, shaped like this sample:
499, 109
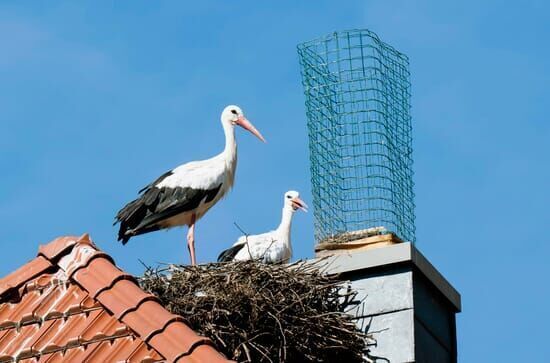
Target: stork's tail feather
229, 254
124, 237
129, 218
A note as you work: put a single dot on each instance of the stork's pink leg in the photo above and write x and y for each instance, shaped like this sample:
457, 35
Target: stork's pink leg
191, 240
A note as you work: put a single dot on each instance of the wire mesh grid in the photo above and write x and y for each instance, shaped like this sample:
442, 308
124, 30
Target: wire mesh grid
357, 92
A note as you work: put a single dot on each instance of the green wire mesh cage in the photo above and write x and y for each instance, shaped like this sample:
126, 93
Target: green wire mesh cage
357, 92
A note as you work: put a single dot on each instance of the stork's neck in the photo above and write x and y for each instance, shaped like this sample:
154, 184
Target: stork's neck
286, 220
230, 150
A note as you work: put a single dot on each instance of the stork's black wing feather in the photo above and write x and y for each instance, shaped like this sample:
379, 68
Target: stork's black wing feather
230, 253
157, 204
158, 180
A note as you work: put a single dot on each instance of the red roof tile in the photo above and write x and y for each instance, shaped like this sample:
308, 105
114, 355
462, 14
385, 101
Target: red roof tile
72, 304
23, 274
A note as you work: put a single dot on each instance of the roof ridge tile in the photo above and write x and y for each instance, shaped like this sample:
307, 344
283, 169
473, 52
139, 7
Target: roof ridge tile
99, 275
204, 352
60, 245
80, 257
179, 342
144, 319
124, 296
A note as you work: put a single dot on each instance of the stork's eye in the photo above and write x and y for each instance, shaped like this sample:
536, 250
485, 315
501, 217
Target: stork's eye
289, 196
234, 111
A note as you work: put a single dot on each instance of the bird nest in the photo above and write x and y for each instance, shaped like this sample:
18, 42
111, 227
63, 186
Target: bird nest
350, 236
255, 312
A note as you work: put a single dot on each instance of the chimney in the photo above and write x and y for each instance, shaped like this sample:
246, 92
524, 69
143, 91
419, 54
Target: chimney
408, 306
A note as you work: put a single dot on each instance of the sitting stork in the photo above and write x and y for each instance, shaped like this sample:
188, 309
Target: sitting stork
270, 247
183, 195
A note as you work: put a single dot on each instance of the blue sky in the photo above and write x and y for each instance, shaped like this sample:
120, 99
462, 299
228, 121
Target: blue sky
97, 100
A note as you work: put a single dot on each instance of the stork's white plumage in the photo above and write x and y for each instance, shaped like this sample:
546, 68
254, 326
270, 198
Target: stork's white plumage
270, 247
183, 195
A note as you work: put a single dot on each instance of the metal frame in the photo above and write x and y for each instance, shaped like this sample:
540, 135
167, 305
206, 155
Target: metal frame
357, 92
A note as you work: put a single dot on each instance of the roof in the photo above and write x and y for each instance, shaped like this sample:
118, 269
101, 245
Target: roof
71, 303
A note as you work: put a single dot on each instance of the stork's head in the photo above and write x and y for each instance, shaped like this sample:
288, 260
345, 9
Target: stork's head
233, 115
292, 200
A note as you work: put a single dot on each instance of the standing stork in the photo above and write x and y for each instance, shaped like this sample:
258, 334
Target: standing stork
183, 195
270, 247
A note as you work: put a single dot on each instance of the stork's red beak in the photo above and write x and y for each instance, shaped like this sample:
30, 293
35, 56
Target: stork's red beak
245, 124
298, 203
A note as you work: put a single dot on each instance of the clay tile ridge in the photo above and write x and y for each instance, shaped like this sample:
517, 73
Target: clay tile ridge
85, 264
